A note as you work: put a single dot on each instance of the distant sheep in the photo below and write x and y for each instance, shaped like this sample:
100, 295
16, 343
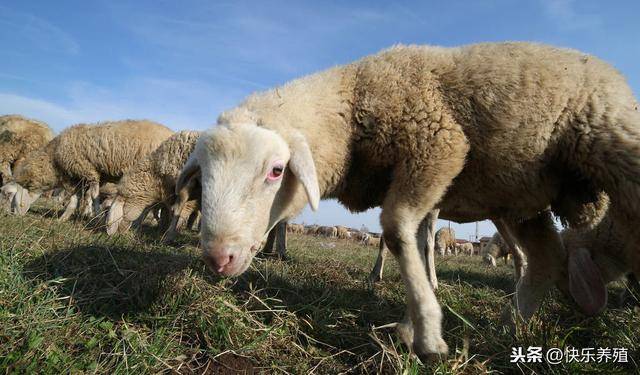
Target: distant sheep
331, 232
343, 232
445, 240
496, 248
487, 131
295, 228
83, 157
465, 248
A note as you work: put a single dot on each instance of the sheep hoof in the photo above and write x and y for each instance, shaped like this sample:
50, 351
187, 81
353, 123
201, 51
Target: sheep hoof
434, 350
404, 330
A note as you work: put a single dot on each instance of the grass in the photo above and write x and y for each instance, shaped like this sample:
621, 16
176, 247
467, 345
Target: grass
73, 300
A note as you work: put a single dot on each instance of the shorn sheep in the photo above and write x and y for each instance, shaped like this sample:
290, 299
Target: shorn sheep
150, 183
83, 157
487, 131
18, 137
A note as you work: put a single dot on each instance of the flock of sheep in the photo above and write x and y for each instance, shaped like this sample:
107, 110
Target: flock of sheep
516, 133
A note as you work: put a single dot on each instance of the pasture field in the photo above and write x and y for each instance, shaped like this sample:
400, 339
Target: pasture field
73, 300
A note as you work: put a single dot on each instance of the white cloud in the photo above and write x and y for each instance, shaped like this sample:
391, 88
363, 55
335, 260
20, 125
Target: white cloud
178, 104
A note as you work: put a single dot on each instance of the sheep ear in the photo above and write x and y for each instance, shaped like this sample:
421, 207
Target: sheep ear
116, 211
585, 282
303, 167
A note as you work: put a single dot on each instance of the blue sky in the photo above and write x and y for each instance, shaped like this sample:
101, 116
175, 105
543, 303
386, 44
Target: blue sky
181, 63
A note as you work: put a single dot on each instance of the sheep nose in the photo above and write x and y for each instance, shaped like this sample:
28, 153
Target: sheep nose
218, 257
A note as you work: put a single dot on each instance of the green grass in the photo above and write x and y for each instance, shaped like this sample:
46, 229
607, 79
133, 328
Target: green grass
73, 300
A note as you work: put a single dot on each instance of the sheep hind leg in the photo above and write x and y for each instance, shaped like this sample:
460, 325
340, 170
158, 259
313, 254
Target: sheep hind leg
519, 259
378, 268
430, 248
545, 256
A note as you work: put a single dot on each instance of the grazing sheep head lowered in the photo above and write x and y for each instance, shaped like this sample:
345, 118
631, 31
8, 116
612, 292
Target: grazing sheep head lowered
251, 178
33, 175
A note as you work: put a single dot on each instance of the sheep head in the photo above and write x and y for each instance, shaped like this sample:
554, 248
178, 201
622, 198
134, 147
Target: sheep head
36, 172
122, 214
251, 178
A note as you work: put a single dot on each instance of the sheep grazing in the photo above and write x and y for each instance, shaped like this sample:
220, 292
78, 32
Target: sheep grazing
343, 232
373, 241
18, 137
331, 232
83, 157
150, 183
464, 248
598, 255
445, 241
295, 228
495, 249
487, 131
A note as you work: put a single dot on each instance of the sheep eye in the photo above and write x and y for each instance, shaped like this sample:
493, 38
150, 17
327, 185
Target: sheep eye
275, 172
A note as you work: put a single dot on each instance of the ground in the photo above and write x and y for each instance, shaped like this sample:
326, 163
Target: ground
73, 300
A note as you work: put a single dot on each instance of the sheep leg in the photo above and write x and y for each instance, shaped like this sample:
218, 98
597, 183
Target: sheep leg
71, 207
430, 249
545, 256
378, 268
5, 171
180, 216
422, 306
407, 203
94, 195
519, 259
86, 203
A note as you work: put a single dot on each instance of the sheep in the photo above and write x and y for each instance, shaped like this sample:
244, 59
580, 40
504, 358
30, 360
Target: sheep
150, 183
18, 137
496, 248
464, 248
343, 232
485, 131
295, 228
372, 241
598, 255
88, 155
445, 240
311, 230
325, 231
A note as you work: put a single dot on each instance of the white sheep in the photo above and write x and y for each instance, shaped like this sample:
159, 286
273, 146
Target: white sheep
83, 157
487, 131
150, 183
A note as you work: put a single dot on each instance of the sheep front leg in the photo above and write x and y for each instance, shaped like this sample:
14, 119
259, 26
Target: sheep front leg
406, 206
423, 335
378, 268
71, 206
94, 195
545, 256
